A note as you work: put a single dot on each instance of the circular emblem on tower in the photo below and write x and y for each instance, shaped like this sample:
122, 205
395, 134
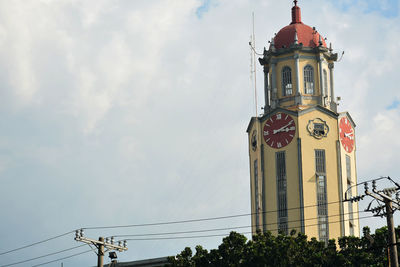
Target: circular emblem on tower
318, 128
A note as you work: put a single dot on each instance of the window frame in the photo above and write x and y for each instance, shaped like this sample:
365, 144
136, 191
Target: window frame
286, 75
281, 191
322, 196
308, 77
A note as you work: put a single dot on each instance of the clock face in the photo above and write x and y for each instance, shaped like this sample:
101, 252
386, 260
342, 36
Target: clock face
346, 134
279, 130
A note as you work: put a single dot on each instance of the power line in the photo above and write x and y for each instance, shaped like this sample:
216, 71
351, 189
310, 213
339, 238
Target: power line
50, 254
173, 238
226, 228
37, 243
160, 223
70, 256
215, 235
196, 220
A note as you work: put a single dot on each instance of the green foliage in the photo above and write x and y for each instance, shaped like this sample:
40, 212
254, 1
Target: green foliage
266, 250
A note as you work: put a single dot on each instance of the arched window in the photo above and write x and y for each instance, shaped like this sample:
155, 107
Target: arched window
287, 87
309, 80
325, 83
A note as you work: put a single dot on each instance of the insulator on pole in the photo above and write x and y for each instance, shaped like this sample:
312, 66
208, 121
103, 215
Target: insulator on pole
366, 186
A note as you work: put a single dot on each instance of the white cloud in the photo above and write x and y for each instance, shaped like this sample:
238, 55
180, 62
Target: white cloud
135, 111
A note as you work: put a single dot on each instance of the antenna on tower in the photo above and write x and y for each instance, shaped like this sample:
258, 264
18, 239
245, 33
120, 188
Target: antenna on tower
341, 57
253, 65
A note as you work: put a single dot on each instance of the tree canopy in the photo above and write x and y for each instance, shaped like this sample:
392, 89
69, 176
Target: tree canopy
266, 249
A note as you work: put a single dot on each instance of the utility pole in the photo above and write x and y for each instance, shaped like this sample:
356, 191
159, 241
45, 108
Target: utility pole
101, 245
386, 206
100, 252
391, 234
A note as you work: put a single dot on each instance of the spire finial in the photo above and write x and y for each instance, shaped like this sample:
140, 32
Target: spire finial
296, 13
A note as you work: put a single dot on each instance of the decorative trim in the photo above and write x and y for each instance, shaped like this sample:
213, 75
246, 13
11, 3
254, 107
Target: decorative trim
341, 208
263, 203
317, 133
300, 169
309, 97
319, 108
286, 99
295, 56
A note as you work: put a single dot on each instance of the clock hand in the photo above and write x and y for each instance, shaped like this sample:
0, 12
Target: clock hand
349, 135
282, 128
288, 129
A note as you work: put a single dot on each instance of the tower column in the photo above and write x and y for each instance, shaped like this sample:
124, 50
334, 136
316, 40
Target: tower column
321, 82
331, 66
332, 103
266, 90
297, 73
274, 89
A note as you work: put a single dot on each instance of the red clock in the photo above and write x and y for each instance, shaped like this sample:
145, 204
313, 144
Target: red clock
279, 130
346, 134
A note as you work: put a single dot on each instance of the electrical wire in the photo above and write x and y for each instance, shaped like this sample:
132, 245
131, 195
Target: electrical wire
70, 256
174, 238
222, 229
50, 254
215, 235
198, 220
37, 243
157, 224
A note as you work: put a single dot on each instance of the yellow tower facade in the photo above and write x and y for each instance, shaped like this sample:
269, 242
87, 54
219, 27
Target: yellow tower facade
302, 151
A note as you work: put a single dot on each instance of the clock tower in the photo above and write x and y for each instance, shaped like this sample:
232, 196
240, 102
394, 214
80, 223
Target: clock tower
302, 150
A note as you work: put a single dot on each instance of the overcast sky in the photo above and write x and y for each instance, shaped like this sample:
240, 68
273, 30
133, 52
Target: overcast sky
128, 112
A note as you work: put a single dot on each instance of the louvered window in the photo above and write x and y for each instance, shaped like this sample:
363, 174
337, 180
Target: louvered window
309, 80
287, 87
282, 192
320, 170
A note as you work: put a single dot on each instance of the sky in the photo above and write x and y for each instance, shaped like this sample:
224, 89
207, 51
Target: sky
128, 112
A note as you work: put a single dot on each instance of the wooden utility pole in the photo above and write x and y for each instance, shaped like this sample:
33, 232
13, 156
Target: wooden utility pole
387, 205
101, 245
100, 253
391, 234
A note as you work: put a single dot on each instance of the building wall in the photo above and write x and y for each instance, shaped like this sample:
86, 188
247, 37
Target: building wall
304, 144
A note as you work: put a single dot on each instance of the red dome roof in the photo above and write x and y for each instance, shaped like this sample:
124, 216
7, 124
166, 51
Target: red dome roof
305, 34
